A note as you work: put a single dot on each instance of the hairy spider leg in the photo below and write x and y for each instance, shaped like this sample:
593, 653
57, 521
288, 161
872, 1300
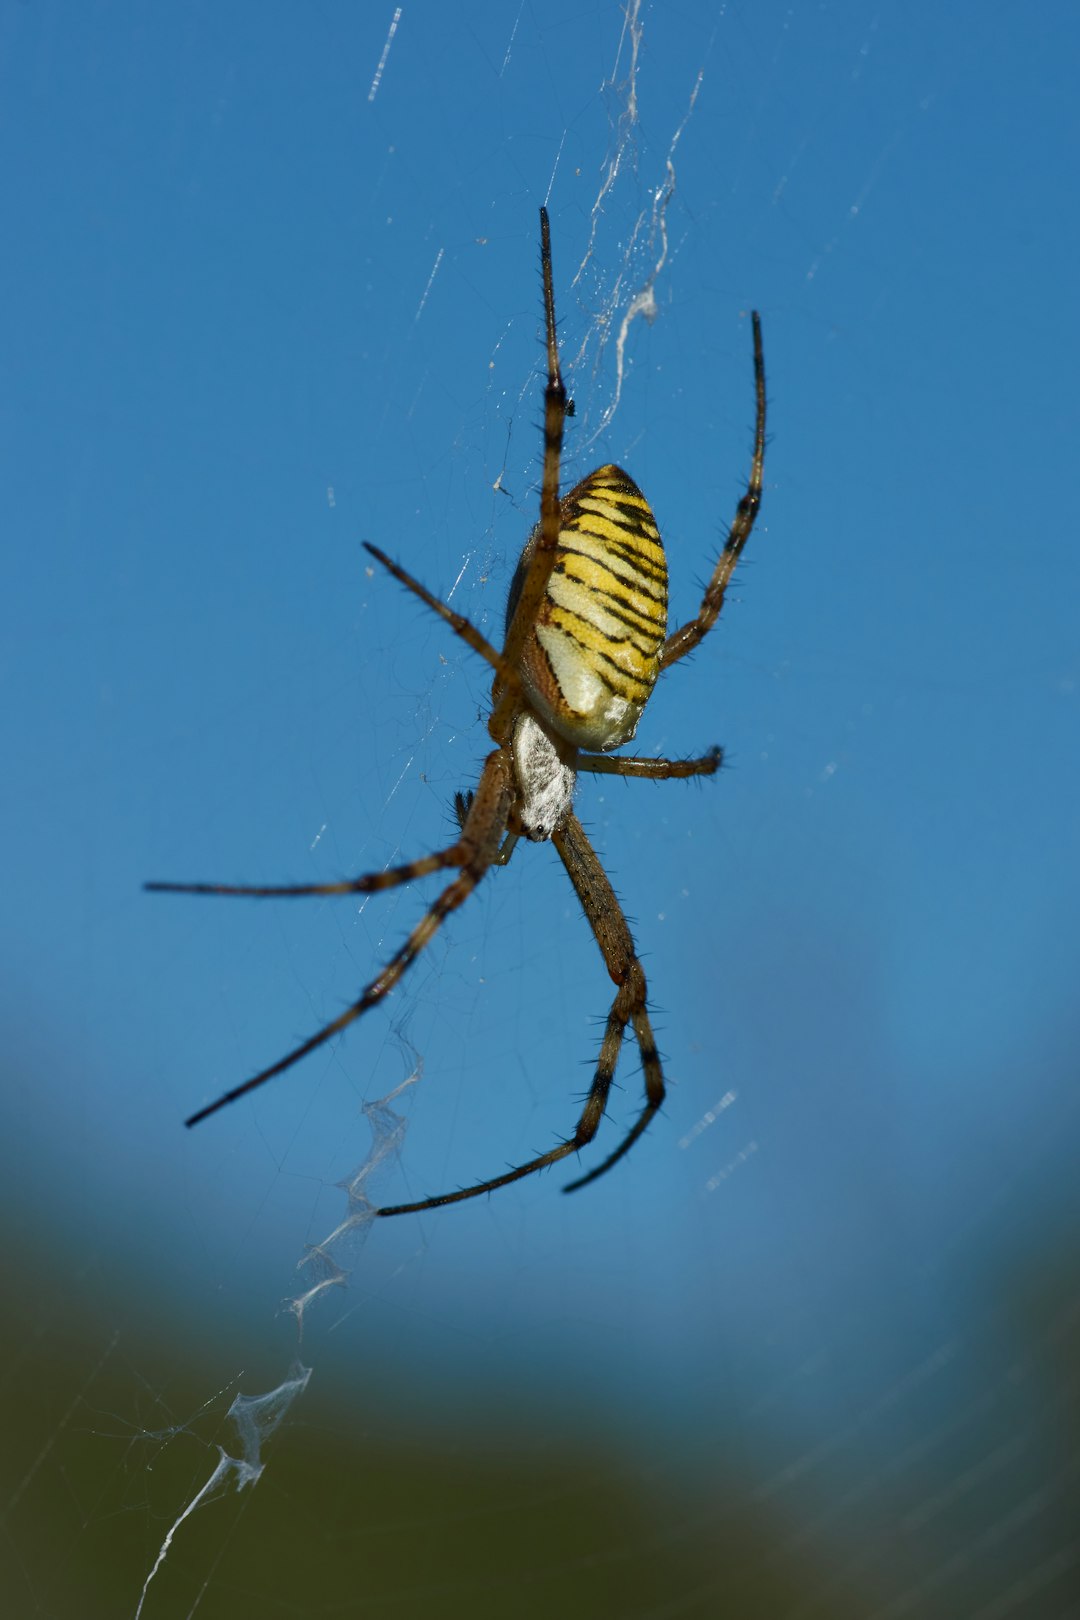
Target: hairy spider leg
612, 934
507, 691
479, 845
653, 770
691, 634
629, 1007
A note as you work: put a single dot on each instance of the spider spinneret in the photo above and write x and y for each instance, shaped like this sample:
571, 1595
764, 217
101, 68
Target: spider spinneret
585, 642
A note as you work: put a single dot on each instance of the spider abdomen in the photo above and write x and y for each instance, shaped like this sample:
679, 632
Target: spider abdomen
592, 658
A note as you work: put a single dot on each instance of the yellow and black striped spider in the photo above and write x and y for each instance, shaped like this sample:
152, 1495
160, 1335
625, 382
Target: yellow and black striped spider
586, 638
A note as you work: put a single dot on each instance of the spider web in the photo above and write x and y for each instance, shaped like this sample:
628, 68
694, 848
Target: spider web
811, 1351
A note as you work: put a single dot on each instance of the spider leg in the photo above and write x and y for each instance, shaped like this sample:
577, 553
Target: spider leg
505, 663
462, 802
655, 770
535, 584
370, 883
613, 936
587, 1125
480, 842
457, 621
689, 635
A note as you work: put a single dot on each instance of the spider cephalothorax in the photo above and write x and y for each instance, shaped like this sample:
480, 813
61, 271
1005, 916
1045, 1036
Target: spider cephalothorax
586, 639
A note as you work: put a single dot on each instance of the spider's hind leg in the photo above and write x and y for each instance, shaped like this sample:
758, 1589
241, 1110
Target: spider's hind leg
691, 634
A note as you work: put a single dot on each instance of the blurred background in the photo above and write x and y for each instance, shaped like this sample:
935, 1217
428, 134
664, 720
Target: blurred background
271, 288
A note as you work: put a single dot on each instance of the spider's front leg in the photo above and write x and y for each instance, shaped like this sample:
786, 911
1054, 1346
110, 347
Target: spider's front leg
629, 1007
474, 852
612, 932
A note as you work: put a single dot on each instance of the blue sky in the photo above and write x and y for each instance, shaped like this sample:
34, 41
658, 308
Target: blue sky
255, 310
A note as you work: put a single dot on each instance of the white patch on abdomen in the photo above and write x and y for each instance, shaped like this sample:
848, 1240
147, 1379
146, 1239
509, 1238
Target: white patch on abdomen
546, 783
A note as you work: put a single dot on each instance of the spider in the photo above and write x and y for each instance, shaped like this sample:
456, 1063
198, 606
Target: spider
585, 640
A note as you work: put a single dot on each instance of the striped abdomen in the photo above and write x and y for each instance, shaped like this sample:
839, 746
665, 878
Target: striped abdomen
593, 655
